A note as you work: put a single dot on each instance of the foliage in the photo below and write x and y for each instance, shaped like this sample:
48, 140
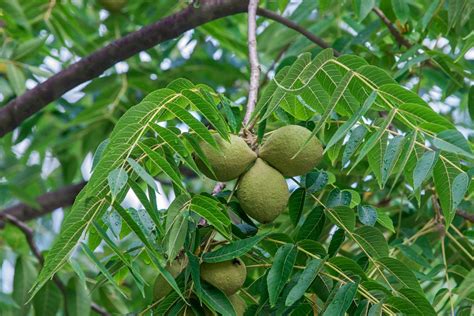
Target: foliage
373, 230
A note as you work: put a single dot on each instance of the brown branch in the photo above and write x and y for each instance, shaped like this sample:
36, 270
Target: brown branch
48, 202
401, 40
29, 235
292, 25
253, 59
92, 66
465, 215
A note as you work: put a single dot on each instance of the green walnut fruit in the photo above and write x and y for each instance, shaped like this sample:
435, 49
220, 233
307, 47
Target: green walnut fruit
113, 5
227, 276
239, 304
279, 149
229, 162
162, 287
263, 192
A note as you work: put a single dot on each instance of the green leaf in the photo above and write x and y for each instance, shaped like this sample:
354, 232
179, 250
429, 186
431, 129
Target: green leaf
406, 153
391, 156
423, 115
336, 241
401, 272
296, 205
343, 217
363, 8
454, 142
48, 300
460, 186
233, 250
102, 268
375, 158
137, 228
171, 139
401, 9
470, 102
367, 214
78, 300
194, 266
177, 235
444, 174
117, 179
335, 98
25, 274
210, 112
163, 165
195, 125
344, 129
338, 198
28, 47
346, 265
98, 153
429, 14
342, 300
17, 79
313, 225
423, 168
385, 220
316, 181
212, 211
280, 271
304, 281
371, 240
216, 300
356, 138
142, 173
374, 138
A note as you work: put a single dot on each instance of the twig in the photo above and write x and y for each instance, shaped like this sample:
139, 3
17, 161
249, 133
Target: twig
292, 25
29, 235
218, 188
402, 41
253, 59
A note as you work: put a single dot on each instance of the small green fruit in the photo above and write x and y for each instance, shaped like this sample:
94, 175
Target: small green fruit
227, 276
263, 192
239, 304
162, 287
113, 5
229, 162
279, 149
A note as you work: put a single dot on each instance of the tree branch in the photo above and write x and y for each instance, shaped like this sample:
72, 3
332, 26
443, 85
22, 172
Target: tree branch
401, 40
49, 202
465, 215
292, 25
253, 60
28, 233
90, 67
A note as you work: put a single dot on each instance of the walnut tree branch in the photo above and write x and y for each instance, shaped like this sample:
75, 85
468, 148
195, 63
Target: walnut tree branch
292, 25
92, 66
253, 60
48, 202
401, 40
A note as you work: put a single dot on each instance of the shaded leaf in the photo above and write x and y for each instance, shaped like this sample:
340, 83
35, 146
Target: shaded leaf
280, 271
